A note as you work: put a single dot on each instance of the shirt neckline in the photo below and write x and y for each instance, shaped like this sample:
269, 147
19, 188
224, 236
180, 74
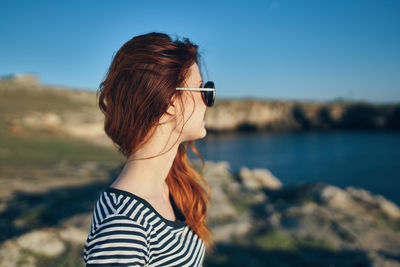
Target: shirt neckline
178, 213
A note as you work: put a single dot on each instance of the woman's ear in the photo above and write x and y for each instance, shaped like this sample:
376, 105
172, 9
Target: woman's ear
170, 112
171, 108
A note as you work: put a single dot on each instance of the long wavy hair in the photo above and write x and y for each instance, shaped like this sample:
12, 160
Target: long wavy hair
136, 92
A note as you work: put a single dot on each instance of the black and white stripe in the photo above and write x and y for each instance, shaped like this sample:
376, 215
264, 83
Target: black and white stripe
127, 231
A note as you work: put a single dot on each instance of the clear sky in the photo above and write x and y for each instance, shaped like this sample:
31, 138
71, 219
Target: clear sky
288, 50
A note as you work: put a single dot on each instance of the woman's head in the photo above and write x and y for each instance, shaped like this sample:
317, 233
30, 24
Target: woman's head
138, 96
139, 90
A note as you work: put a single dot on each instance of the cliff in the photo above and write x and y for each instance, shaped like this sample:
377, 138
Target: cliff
264, 115
25, 104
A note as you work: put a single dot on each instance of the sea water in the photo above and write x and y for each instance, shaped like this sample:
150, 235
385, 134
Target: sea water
367, 159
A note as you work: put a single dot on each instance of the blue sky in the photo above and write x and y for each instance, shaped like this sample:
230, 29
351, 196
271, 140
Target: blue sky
287, 50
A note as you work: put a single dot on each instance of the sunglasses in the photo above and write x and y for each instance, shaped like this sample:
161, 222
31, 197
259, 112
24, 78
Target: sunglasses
207, 92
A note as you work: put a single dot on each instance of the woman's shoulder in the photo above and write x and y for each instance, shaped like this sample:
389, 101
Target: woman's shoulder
113, 208
113, 239
121, 202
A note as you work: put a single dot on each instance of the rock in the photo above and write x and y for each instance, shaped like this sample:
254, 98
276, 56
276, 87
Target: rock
274, 220
218, 175
335, 197
341, 219
258, 178
42, 120
388, 207
44, 241
233, 229
220, 205
73, 235
9, 254
376, 201
360, 194
378, 260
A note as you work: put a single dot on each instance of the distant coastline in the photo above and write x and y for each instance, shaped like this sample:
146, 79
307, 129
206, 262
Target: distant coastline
237, 115
274, 115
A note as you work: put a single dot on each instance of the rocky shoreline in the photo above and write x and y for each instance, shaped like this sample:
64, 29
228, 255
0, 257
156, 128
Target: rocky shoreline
255, 219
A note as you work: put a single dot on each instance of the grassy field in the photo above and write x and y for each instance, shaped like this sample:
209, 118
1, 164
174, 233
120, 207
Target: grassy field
24, 147
17, 100
35, 148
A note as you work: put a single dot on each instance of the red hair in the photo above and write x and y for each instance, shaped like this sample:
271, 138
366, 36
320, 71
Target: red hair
135, 93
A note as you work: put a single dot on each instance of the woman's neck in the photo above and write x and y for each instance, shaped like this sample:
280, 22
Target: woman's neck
147, 177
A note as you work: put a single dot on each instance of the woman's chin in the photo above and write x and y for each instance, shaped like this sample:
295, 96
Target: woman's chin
202, 133
198, 134
205, 131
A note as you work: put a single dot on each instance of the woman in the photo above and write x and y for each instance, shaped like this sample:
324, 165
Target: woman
154, 213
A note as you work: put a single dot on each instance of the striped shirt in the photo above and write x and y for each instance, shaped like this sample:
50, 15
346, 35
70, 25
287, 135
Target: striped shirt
127, 231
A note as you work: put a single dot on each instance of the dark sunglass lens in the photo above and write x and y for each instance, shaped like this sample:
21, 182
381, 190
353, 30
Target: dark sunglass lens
209, 84
209, 96
205, 97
